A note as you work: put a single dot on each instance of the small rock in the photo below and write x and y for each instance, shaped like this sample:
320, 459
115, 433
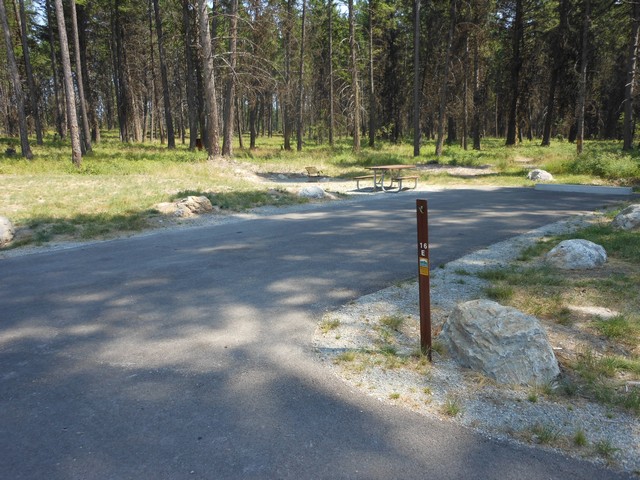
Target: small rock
576, 255
7, 232
538, 175
501, 342
311, 192
628, 219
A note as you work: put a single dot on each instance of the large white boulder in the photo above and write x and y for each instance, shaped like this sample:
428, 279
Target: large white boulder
312, 192
539, 175
7, 232
503, 343
576, 255
628, 219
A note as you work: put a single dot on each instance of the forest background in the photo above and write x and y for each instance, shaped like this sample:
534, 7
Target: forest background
345, 85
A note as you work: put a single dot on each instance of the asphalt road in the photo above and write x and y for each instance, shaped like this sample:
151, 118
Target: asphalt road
186, 354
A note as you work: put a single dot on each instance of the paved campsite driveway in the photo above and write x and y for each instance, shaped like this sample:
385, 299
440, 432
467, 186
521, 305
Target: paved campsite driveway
186, 354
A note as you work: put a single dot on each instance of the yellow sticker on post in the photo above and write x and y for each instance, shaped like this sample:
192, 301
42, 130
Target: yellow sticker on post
424, 266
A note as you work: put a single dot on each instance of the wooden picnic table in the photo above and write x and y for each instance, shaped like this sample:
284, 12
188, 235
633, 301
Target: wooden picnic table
393, 172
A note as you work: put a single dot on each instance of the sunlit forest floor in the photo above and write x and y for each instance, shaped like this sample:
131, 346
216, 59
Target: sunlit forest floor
118, 184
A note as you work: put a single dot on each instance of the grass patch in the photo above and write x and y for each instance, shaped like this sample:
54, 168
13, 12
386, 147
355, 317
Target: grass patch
545, 434
348, 356
393, 322
618, 327
533, 251
500, 293
601, 378
605, 449
327, 325
452, 407
580, 438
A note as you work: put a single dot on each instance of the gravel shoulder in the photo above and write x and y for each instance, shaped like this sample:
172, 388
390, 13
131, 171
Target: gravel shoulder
354, 343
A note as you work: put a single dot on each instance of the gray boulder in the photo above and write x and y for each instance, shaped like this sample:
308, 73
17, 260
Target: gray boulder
7, 232
628, 219
312, 192
538, 175
576, 255
195, 205
503, 343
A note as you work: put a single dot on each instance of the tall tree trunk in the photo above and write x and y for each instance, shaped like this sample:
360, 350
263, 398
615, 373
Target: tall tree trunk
230, 87
516, 66
253, 131
286, 100
86, 131
33, 92
209, 82
372, 96
445, 79
17, 85
299, 129
238, 125
331, 94
171, 139
558, 47
629, 89
155, 100
582, 89
465, 94
191, 86
90, 98
417, 84
54, 68
76, 149
121, 79
354, 79
477, 96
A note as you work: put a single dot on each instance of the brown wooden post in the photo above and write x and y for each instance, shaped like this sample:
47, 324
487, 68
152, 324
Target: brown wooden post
423, 278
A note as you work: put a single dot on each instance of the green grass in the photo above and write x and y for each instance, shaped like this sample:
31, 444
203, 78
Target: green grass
599, 379
452, 407
327, 325
545, 434
619, 327
393, 322
580, 438
605, 449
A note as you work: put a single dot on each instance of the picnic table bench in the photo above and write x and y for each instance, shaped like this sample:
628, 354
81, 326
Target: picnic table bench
393, 172
360, 178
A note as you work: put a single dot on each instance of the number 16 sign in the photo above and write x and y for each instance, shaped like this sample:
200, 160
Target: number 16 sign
423, 278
